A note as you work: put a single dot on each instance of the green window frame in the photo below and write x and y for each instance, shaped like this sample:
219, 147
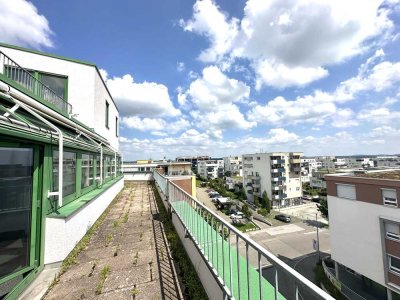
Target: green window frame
79, 188
107, 114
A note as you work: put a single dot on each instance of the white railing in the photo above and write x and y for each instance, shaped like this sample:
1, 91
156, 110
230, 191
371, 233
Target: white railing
235, 259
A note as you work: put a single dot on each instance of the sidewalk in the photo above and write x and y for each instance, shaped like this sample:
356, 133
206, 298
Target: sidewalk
127, 258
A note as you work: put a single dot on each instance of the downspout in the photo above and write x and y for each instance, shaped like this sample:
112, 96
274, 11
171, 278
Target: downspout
60, 146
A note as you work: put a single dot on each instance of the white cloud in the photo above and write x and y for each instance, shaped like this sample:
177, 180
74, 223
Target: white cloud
158, 126
148, 99
311, 108
290, 42
21, 24
180, 66
379, 115
214, 88
209, 21
344, 118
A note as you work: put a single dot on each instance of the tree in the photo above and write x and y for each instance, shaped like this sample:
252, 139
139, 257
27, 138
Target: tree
246, 211
265, 202
256, 202
323, 207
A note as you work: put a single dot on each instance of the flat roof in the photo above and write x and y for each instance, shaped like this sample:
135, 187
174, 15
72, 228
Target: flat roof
393, 175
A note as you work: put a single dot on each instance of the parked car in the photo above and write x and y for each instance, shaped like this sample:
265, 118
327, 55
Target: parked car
237, 215
213, 194
283, 218
306, 197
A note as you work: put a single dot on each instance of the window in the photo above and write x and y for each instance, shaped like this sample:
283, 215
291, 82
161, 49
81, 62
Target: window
258, 158
389, 197
394, 264
69, 172
108, 166
87, 170
55, 83
116, 126
346, 191
392, 230
107, 112
98, 161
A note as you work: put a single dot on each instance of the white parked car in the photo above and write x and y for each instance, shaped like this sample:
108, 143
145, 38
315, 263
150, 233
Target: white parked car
237, 215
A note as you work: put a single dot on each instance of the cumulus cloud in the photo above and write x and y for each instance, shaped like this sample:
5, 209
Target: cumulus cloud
180, 66
290, 42
21, 24
213, 98
146, 99
158, 126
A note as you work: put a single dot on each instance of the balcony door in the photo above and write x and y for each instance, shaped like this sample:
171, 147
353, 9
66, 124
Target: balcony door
18, 208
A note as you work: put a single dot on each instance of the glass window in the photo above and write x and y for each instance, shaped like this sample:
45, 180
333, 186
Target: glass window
16, 171
108, 166
392, 230
389, 197
98, 160
107, 112
394, 264
87, 170
55, 83
69, 172
346, 191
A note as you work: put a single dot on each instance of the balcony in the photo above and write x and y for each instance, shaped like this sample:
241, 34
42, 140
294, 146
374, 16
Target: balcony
278, 170
279, 178
295, 160
22, 80
278, 187
277, 161
227, 259
280, 196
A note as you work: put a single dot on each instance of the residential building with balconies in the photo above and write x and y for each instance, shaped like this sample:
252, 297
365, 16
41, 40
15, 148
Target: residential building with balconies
364, 224
59, 161
277, 173
233, 165
210, 169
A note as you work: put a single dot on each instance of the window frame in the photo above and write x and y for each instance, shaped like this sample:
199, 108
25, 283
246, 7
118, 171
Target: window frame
88, 188
355, 191
107, 117
116, 126
391, 268
390, 203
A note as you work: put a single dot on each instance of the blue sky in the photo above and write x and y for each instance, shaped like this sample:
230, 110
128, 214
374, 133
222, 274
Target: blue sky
232, 77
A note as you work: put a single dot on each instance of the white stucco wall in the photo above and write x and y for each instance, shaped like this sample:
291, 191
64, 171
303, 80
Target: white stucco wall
356, 237
61, 235
86, 91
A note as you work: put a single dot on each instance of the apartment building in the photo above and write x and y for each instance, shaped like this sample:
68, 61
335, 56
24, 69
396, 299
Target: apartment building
364, 223
59, 161
277, 173
233, 165
359, 162
387, 161
192, 159
138, 169
211, 169
308, 165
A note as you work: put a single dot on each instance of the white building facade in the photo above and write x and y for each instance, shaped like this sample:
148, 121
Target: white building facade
233, 165
277, 173
364, 224
58, 146
210, 169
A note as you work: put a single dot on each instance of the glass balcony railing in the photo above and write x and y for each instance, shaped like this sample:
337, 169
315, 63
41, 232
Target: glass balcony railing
243, 269
19, 78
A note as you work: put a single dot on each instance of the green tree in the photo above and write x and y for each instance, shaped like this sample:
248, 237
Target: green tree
265, 202
246, 211
323, 207
256, 201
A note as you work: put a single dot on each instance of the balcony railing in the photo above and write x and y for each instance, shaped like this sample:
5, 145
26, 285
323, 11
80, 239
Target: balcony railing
277, 161
279, 178
21, 79
236, 260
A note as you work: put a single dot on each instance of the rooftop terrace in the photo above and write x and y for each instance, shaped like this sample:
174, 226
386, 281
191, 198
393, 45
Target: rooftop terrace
392, 175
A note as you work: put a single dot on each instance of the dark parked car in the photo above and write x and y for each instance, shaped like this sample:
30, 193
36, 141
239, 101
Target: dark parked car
283, 218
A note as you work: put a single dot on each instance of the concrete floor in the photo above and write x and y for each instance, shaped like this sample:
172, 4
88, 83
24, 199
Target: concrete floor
131, 244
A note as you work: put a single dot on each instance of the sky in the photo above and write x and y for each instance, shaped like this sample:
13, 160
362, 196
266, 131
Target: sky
230, 77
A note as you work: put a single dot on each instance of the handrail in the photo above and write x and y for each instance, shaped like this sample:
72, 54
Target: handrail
249, 242
14, 72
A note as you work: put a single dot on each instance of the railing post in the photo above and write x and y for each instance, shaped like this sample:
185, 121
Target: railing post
276, 283
238, 264
247, 270
259, 274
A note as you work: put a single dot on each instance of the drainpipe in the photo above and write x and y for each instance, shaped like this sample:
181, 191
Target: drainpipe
60, 146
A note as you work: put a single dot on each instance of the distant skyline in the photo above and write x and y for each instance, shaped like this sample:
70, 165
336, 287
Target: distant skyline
227, 77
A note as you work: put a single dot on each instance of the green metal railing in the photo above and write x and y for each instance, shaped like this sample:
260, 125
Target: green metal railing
237, 261
14, 74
